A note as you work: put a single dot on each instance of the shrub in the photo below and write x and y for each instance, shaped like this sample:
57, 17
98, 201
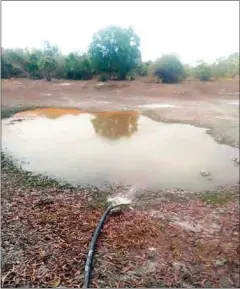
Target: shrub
203, 71
78, 67
168, 68
103, 78
142, 68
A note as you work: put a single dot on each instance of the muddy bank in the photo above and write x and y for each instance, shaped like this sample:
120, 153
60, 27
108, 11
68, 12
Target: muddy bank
221, 120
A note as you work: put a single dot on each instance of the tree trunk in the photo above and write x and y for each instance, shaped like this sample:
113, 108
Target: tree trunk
49, 77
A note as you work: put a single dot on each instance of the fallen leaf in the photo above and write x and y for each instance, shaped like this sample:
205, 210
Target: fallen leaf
54, 283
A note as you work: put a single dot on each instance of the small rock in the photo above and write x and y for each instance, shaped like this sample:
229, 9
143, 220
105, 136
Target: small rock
235, 233
205, 173
116, 211
235, 160
179, 266
152, 249
220, 262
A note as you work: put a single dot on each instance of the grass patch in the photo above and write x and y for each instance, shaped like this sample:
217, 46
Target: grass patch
218, 198
10, 111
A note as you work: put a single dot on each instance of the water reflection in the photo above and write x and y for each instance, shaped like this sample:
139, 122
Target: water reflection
114, 125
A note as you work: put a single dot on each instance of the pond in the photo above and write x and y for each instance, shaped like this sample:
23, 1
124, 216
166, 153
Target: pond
118, 147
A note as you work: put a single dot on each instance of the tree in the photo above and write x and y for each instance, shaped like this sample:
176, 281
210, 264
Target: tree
143, 68
60, 72
115, 50
233, 64
78, 67
49, 61
14, 63
226, 66
168, 68
34, 63
203, 71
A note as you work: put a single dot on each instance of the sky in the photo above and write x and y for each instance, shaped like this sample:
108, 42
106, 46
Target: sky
193, 30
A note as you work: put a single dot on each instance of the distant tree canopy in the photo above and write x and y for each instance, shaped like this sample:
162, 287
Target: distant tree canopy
114, 53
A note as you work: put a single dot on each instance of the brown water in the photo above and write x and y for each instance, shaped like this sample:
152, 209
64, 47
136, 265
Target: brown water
117, 147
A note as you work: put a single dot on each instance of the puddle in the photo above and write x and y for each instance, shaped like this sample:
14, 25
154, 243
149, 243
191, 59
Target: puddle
157, 105
124, 148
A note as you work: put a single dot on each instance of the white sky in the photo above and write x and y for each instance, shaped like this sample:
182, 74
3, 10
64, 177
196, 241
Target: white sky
194, 30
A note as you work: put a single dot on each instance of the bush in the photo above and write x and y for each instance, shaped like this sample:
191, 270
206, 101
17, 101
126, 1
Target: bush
78, 67
103, 78
142, 68
168, 68
203, 72
14, 63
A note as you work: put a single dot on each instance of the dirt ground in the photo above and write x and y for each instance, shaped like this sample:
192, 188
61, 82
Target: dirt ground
169, 239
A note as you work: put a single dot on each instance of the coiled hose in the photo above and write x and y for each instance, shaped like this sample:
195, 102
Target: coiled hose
88, 266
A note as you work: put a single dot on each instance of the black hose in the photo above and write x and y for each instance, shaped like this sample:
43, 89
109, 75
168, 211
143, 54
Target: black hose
88, 266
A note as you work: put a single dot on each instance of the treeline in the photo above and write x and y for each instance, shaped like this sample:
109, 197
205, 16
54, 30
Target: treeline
114, 53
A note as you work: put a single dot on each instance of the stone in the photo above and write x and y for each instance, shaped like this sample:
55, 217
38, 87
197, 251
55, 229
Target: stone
220, 262
205, 173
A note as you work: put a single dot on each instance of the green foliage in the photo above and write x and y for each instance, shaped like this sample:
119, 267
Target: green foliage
115, 51
226, 67
143, 68
168, 68
103, 78
33, 66
188, 71
14, 63
214, 198
60, 72
49, 60
202, 71
77, 67
48, 66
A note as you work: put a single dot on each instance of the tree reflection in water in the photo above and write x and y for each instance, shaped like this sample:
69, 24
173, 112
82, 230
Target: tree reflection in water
114, 125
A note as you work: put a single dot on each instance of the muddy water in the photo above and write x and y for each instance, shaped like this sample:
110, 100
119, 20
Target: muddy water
117, 147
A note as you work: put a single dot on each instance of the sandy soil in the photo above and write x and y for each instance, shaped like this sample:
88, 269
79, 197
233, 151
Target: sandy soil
214, 105
169, 239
